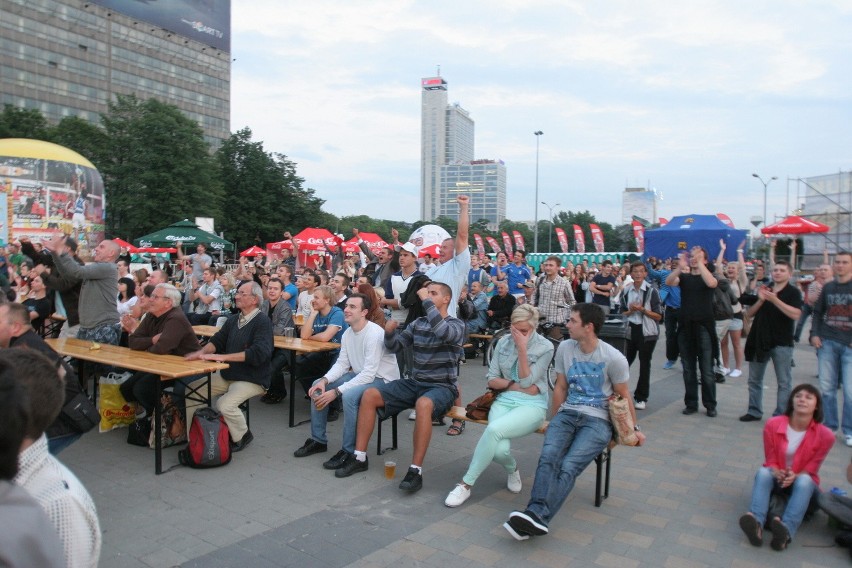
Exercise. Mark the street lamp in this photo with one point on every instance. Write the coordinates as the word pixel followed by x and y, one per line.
pixel 537 133
pixel 765 184
pixel 550 216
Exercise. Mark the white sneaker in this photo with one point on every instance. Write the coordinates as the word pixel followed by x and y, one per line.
pixel 457 496
pixel 514 483
pixel 849 441
pixel 736 373
pixel 639 405
pixel 413 415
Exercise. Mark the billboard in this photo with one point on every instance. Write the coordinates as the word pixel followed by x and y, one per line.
pixel 205 21
pixel 46 188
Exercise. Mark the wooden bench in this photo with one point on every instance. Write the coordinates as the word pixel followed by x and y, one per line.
pixel 459 413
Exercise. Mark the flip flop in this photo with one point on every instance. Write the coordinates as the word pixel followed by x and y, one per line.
pixel 752 529
pixel 780 535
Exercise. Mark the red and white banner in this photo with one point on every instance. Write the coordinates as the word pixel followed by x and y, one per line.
pixel 562 238
pixel 519 240
pixel 507 243
pixel 492 242
pixel 579 239
pixel 663 221
pixel 726 220
pixel 480 246
pixel 597 237
pixel 639 235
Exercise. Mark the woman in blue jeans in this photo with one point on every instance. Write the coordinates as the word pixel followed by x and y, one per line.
pixel 519 369
pixel 795 445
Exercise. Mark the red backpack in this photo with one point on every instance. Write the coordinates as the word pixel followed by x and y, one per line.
pixel 209 441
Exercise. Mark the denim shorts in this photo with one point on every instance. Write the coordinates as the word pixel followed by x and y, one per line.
pixel 736 323
pixel 403 394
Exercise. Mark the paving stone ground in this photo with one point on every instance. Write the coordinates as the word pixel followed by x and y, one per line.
pixel 673 503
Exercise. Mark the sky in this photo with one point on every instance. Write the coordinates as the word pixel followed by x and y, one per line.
pixel 686 98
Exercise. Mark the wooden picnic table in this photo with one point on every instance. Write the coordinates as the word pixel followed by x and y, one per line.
pixel 295 346
pixel 168 367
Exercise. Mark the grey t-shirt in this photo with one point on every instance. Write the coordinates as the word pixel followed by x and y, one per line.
pixel 590 376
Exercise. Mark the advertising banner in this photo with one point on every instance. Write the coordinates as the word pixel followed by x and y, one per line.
pixel 507 244
pixel 579 239
pixel 562 238
pixel 492 242
pixel 639 235
pixel 597 237
pixel 726 220
pixel 519 240
pixel 480 246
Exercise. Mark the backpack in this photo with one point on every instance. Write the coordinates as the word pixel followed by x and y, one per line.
pixel 722 307
pixel 209 441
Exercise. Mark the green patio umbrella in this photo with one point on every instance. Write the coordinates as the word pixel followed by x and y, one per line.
pixel 188 233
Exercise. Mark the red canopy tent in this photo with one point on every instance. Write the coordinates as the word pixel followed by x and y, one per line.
pixel 434 250
pixel 253 251
pixel 795 225
pixel 314 239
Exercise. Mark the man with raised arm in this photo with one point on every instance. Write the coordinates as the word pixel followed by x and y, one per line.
pixel 98 307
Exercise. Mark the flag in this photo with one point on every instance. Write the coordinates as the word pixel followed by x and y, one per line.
pixel 726 220
pixel 480 246
pixel 663 221
pixel 519 240
pixel 579 239
pixel 507 243
pixel 493 244
pixel 597 237
pixel 562 238
pixel 639 235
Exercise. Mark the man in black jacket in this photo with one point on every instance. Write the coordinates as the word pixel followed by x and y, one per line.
pixel 16 331
pixel 501 305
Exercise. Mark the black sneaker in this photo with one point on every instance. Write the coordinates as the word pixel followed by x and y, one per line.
pixel 337 461
pixel 527 523
pixel 244 441
pixel 413 481
pixel 351 466
pixel 310 448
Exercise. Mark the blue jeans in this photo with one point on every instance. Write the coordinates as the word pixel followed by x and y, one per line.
pixel 571 443
pixel 835 367
pixel 59 443
pixel 807 311
pixel 692 362
pixel 351 401
pixel 782 358
pixel 800 493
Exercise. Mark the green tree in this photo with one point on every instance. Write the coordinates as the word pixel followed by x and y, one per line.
pixel 85 138
pixel 158 168
pixel 23 123
pixel 265 196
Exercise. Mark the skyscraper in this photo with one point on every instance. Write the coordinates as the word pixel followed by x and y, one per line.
pixel 447 164
pixel 71 57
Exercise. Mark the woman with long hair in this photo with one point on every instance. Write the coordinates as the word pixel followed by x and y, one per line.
pixel 37 303
pixel 375 313
pixel 794 446
pixel 126 296
pixel 519 370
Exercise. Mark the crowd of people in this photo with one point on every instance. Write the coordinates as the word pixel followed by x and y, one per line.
pixel 401 324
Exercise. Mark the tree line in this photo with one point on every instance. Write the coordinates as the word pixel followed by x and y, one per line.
pixel 158 168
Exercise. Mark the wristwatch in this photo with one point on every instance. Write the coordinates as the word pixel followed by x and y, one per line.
pixel 636 428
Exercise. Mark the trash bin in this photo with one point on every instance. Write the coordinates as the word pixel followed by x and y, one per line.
pixel 616 331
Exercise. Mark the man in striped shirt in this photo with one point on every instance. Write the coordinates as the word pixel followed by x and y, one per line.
pixel 436 341
pixel 553 296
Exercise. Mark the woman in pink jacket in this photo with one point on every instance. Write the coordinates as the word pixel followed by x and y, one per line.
pixel 795 445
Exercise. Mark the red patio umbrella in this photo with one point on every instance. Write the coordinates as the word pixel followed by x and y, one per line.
pixel 124 244
pixel 253 251
pixel 314 239
pixel 434 250
pixel 152 250
pixel 373 240
pixel 279 246
pixel 795 225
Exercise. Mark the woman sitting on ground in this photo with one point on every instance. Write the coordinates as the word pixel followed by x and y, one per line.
pixel 519 369
pixel 795 445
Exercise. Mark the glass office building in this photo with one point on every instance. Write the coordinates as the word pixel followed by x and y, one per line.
pixel 484 181
pixel 71 57
pixel 826 199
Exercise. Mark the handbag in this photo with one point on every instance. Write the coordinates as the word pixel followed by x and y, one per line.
pixel 622 421
pixel 80 413
pixel 478 408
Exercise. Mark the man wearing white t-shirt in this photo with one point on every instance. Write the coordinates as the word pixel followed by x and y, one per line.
pixel 455 257
pixel 363 362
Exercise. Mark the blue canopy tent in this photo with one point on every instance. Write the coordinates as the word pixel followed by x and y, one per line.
pixel 686 231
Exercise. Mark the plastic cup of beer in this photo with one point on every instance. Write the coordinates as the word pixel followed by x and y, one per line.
pixel 390 469
pixel 299 319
